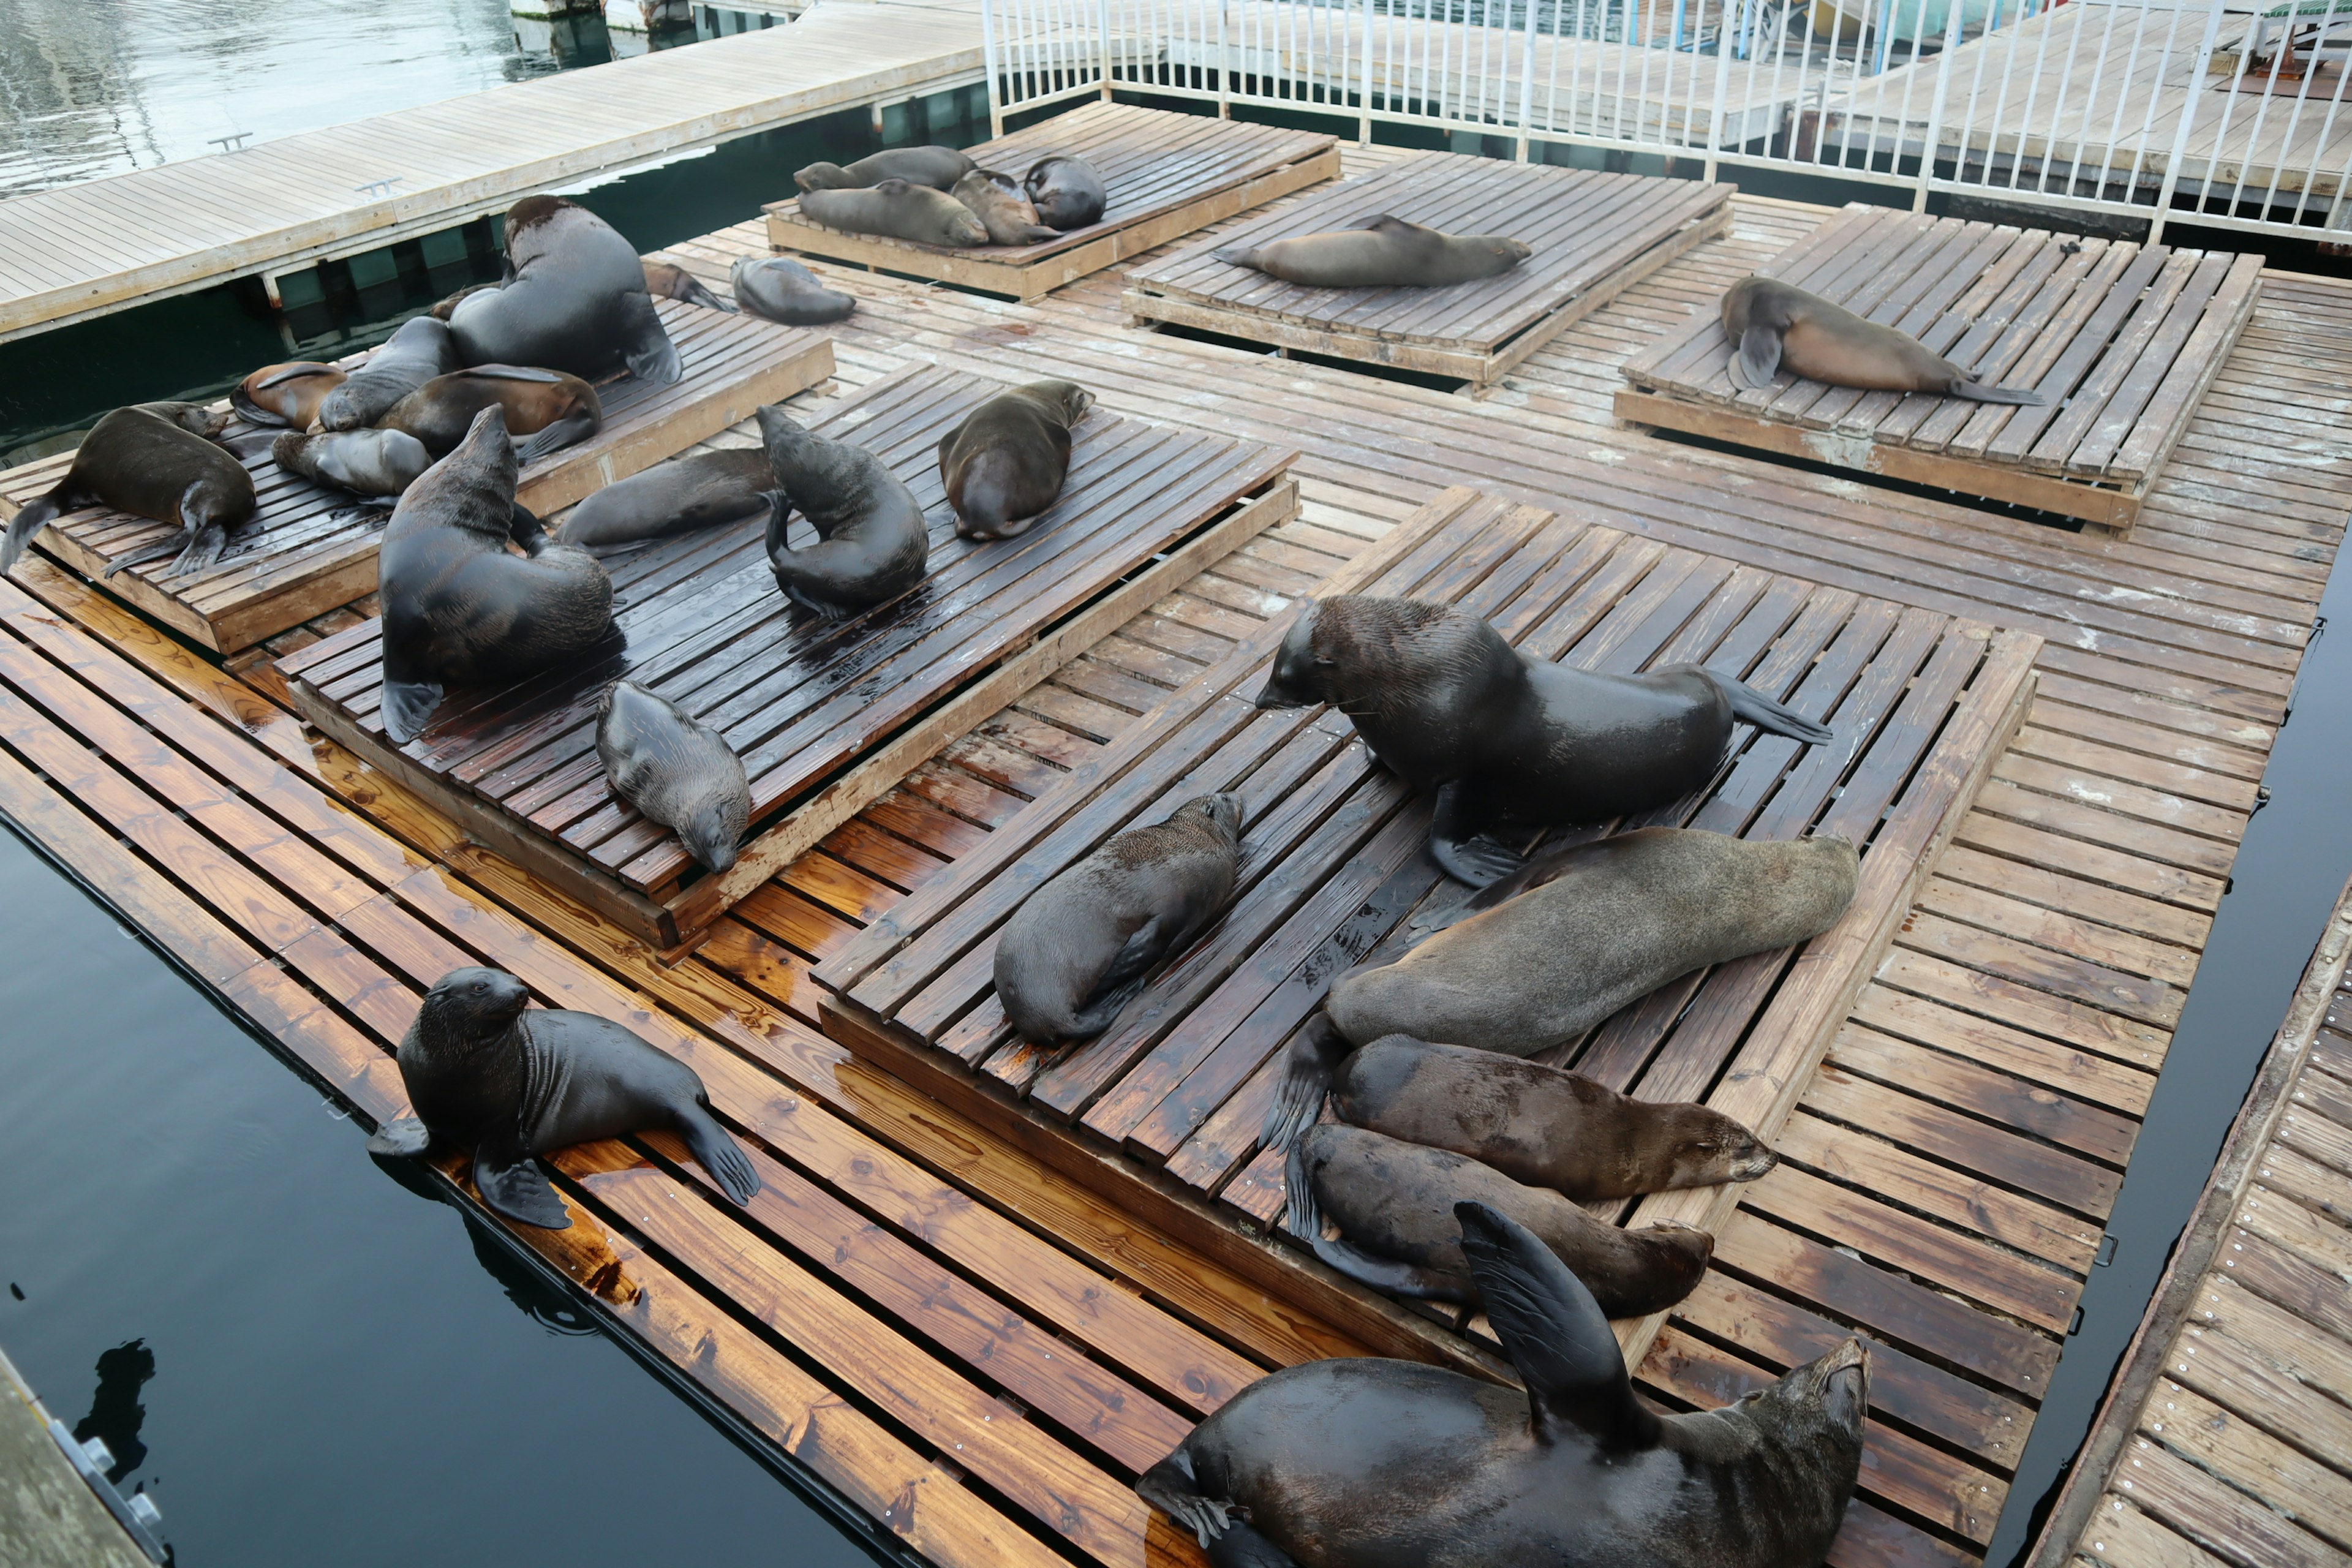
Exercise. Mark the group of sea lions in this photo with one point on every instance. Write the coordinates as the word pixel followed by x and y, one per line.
pixel 937 196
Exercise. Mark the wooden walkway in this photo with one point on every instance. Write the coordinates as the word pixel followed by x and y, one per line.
pixel 87 249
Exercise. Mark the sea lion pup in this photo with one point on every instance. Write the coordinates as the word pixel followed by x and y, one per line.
pixel 1386 253
pixel 779 288
pixel 897 210
pixel 487 1071
pixel 458 608
pixel 938 167
pixel 1393 1203
pixel 667 281
pixel 1011 218
pixel 1068 193
pixel 1589 928
pixel 152 461
pixel 872 543
pixel 364 462
pixel 1080 947
pixel 684 495
pixel 1004 465
pixel 1340 1463
pixel 421 350
pixel 675 770
pixel 552 409
pixel 575 300
pixel 1542 1125
pixel 1773 326
pixel 1449 705
pixel 286 395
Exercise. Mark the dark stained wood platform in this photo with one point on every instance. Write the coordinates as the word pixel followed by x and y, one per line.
pixel 826 715
pixel 1594 235
pixel 2124 340
pixel 313 549
pixel 1167 174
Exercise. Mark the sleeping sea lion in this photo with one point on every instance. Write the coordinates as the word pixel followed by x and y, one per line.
pixel 1385 253
pixel 1774 327
pixel 421 350
pixel 286 395
pixel 1080 947
pixel 1449 705
pixel 364 462
pixel 487 1071
pixel 1393 1203
pixel 1361 1460
pixel 575 300
pixel 1004 465
pixel 1581 932
pixel 1067 191
pixel 779 288
pixel 675 770
pixel 999 204
pixel 458 608
pixel 938 167
pixel 872 541
pixel 684 495
pixel 667 281
pixel 897 210
pixel 553 410
pixel 151 461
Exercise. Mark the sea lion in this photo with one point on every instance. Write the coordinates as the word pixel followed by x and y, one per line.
pixel 487 1071
pixel 1067 192
pixel 667 281
pixel 575 300
pixel 675 770
pixel 1449 705
pixel 999 204
pixel 364 462
pixel 553 410
pixel 458 608
pixel 1004 465
pixel 151 461
pixel 1385 253
pixel 1393 1203
pixel 684 495
pixel 1773 326
pixel 1582 933
pixel 897 210
pixel 938 167
pixel 1080 947
pixel 1542 1125
pixel 781 290
pixel 286 395
pixel 1361 1460
pixel 421 350
pixel 872 540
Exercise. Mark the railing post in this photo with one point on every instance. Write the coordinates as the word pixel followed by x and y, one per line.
pixel 2199 71
pixel 1935 108
pixel 1102 41
pixel 1225 68
pixel 1364 103
pixel 1722 80
pixel 1527 80
pixel 988 63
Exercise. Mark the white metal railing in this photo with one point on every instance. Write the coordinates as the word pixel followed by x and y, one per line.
pixel 2235 107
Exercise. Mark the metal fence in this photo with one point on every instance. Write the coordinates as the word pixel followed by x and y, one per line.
pixel 2083 104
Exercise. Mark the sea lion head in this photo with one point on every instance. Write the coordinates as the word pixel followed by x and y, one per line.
pixel 822 176
pixel 193 418
pixel 1813 1417
pixel 532 211
pixel 1067 398
pixel 473 487
pixel 1219 815
pixel 1517 250
pixel 1355 649
pixel 1706 1147
pixel 470 1008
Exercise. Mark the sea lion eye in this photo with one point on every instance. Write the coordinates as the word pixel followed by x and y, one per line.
pixel 482 988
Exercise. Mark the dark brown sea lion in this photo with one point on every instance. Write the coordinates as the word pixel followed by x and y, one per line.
pixel 938 167
pixel 575 300
pixel 421 350
pixel 1004 465
pixel 684 495
pixel 459 609
pixel 675 770
pixel 999 203
pixel 872 541
pixel 487 1071
pixel 1774 327
pixel 779 288
pixel 1579 934
pixel 1067 191
pixel 1080 947
pixel 287 394
pixel 364 462
pixel 1441 699
pixel 1367 1463
pixel 552 409
pixel 151 460
pixel 1386 253
pixel 897 210
pixel 667 281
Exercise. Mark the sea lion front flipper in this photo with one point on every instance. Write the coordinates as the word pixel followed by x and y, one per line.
pixel 569 430
pixel 1307 1071
pixel 408 707
pixel 654 359
pixel 1305 1220
pixel 1759 358
pixel 1459 849
pixel 1170 1487
pixel 1243 1547
pixel 512 1183
pixel 718 1152
pixel 401 1138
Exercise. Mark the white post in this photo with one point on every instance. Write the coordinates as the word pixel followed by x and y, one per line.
pixel 1226 68
pixel 988 63
pixel 1527 79
pixel 1722 77
pixel 2197 75
pixel 1364 102
pixel 1102 41
pixel 1935 108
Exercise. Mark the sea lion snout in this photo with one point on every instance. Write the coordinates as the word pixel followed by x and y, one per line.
pixel 1295 681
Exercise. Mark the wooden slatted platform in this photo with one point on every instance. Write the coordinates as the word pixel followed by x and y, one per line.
pixel 1594 234
pixel 825 715
pixel 2122 340
pixel 1167 174
pixel 313 549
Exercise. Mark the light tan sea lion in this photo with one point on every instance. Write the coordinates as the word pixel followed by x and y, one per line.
pixel 1774 327
pixel 898 210
pixel 287 394
pixel 998 202
pixel 1386 253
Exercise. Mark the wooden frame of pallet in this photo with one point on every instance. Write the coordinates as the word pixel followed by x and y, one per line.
pixel 1297 159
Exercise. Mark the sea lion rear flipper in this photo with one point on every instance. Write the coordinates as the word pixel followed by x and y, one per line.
pixel 1305 1220
pixel 1243 1547
pixel 31 518
pixel 402 1138
pixel 1759 358
pixel 569 430
pixel 1753 707
pixel 408 707
pixel 155 550
pixel 718 1153
pixel 1170 1487
pixel 1237 254
pixel 1307 1068
pixel 512 1183
pixel 2024 396
pixel 1459 850
pixel 204 547
pixel 1124 978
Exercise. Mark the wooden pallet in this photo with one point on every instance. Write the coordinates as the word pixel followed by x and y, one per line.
pixel 1594 235
pixel 1163 1112
pixel 826 716
pixel 1167 174
pixel 2122 339
pixel 313 549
